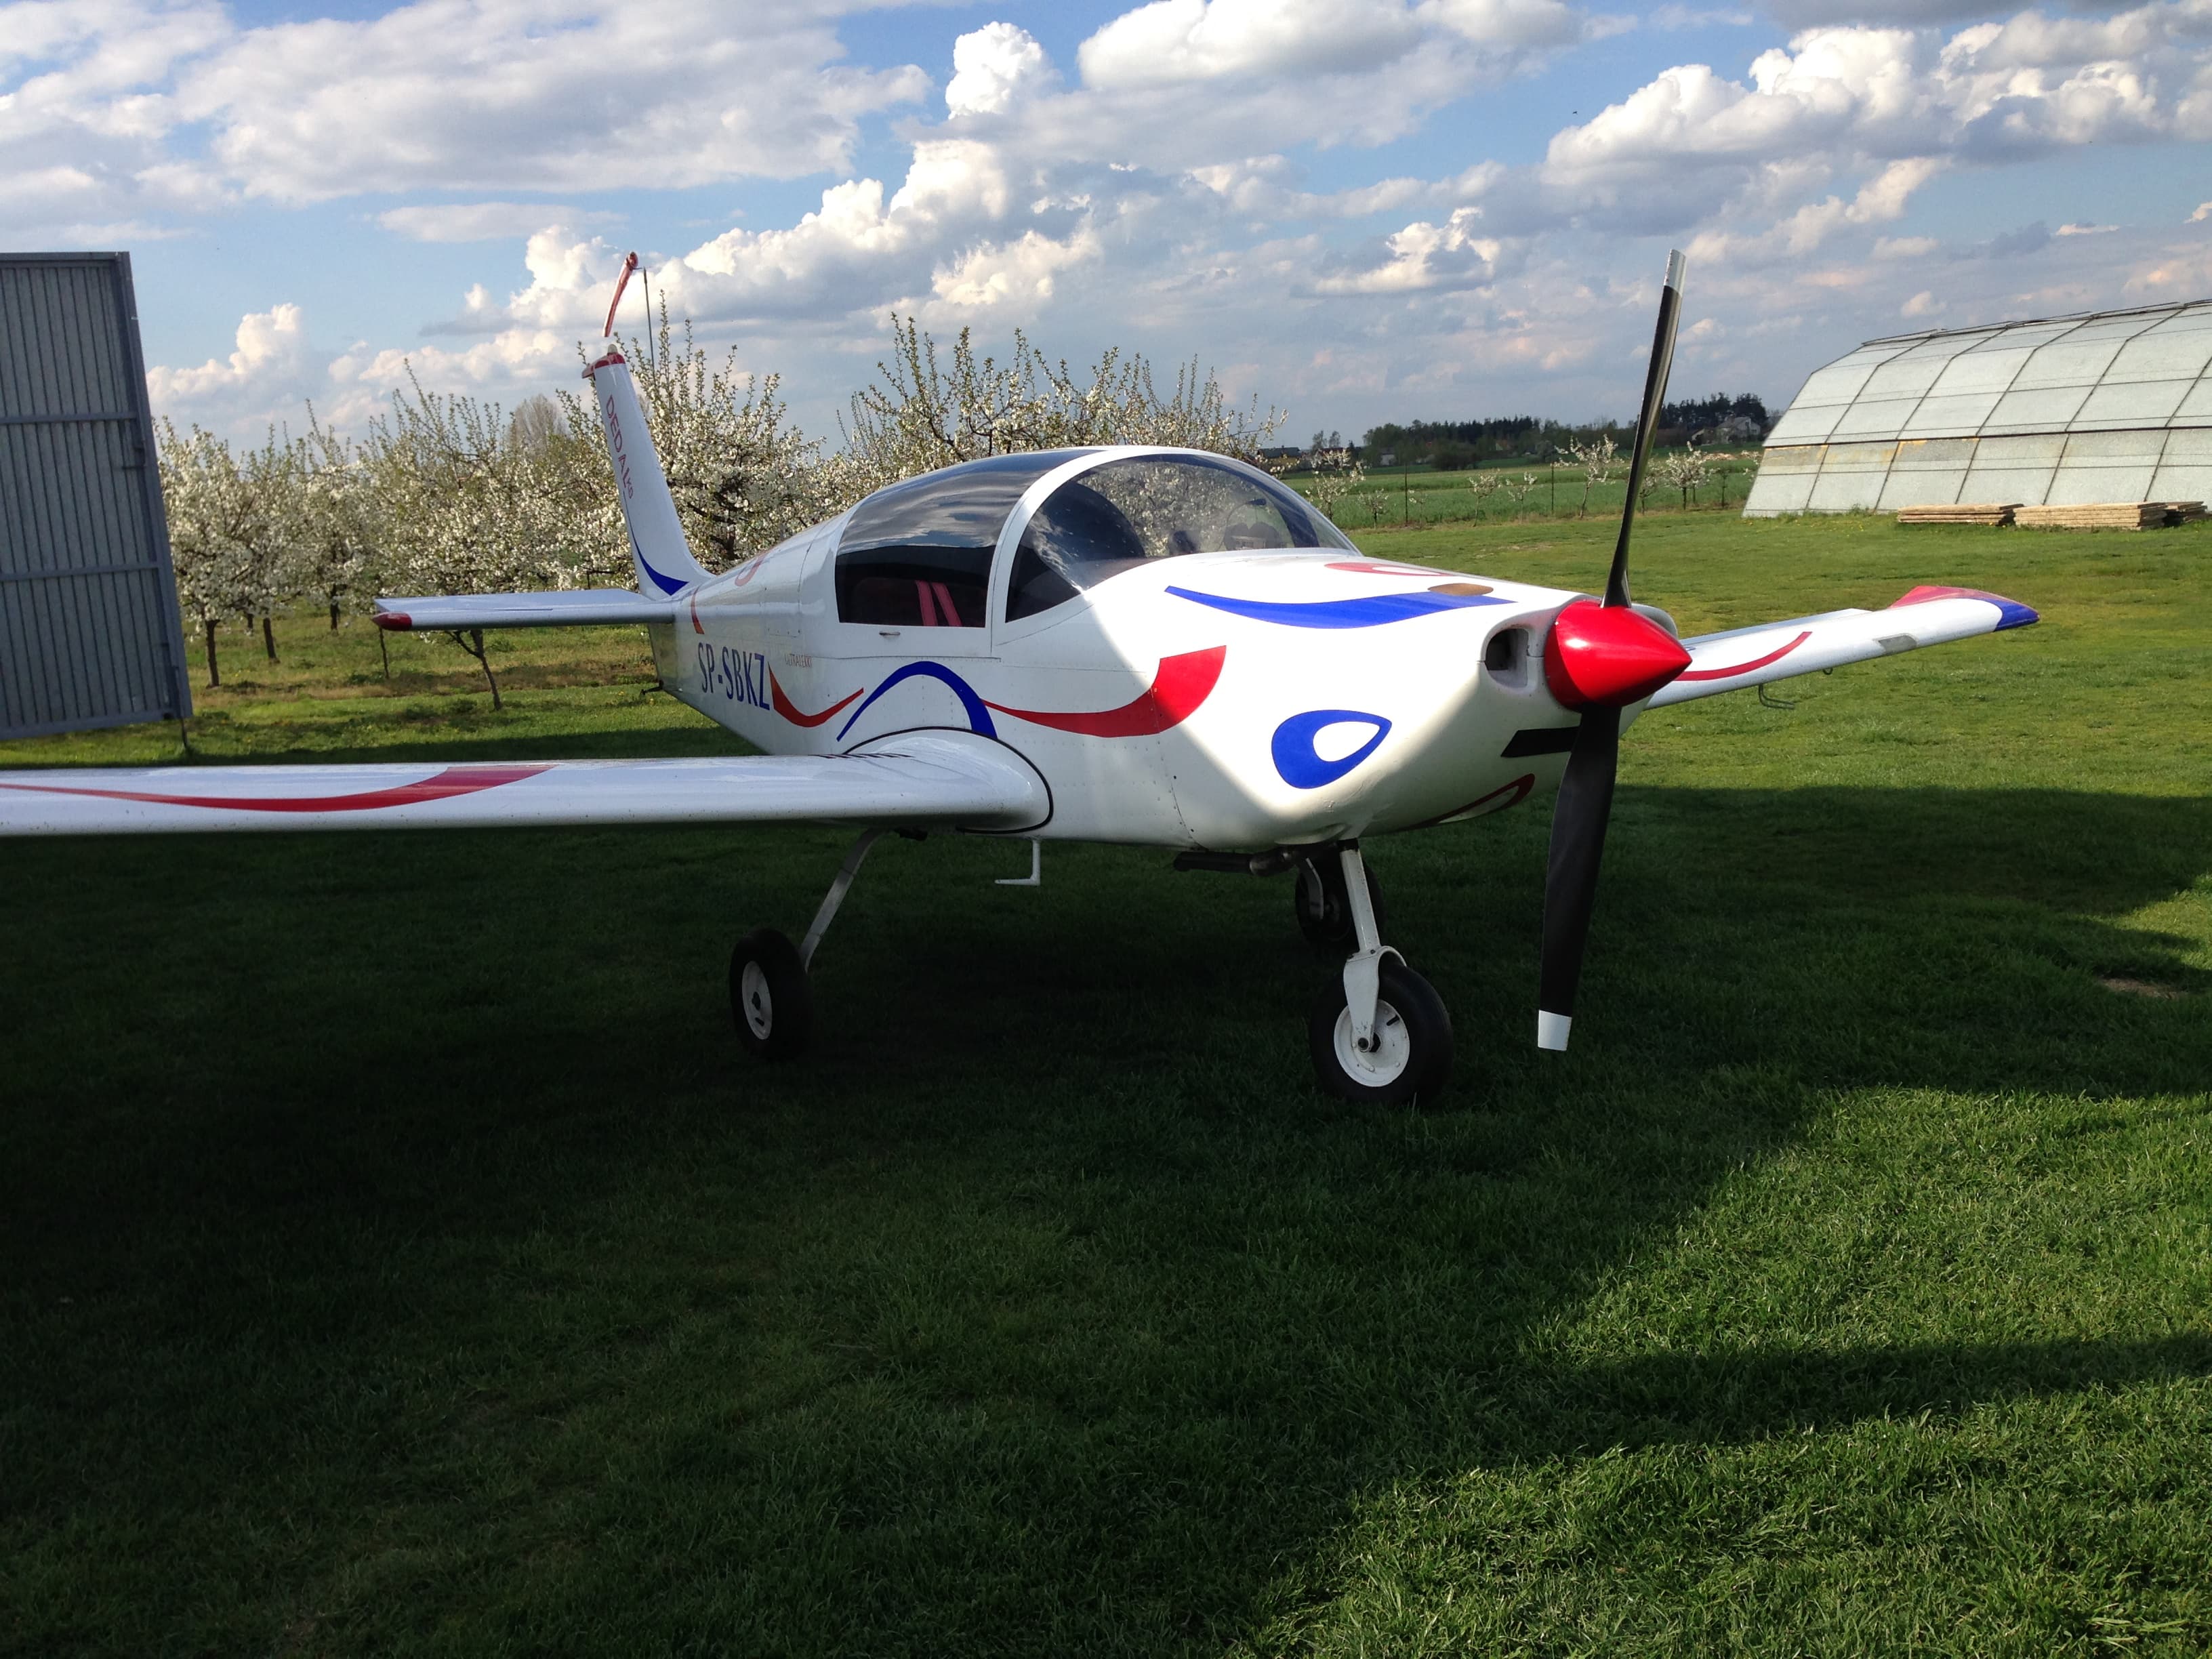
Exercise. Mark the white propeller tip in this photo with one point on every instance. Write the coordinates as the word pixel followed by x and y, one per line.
pixel 1552 1030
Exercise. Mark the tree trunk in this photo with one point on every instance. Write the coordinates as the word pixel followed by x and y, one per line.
pixel 474 647
pixel 334 615
pixel 215 673
pixel 269 639
pixel 384 650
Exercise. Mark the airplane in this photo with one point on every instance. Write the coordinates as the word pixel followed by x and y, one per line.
pixel 1129 644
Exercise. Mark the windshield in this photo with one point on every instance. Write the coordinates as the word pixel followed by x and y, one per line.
pixel 1154 506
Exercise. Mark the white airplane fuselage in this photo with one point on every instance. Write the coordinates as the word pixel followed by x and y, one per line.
pixel 1230 700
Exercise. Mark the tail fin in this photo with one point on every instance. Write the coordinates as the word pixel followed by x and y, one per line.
pixel 656 547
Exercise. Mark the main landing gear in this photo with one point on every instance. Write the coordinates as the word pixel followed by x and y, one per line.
pixel 1379 1032
pixel 770 1001
pixel 1382 1034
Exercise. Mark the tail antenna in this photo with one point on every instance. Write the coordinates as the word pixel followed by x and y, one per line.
pixel 630 264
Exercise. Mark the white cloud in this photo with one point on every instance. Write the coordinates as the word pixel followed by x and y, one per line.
pixel 481 221
pixel 2203 212
pixel 1180 40
pixel 1160 197
pixel 1673 17
pixel 267 380
pixel 1013 278
pixel 2085 230
pixel 1424 256
pixel 993 66
pixel 552 94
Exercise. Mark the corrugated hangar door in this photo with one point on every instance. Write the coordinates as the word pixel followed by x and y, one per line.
pixel 89 633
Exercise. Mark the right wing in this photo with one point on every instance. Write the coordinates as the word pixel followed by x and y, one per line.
pixel 575 607
pixel 916 780
pixel 1775 651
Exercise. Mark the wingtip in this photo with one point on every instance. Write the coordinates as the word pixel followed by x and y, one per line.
pixel 2014 614
pixel 398 620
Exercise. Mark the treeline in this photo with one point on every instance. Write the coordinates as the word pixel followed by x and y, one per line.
pixel 1456 445
pixel 454 495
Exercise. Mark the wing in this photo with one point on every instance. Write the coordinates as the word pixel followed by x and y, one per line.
pixel 579 607
pixel 1775 651
pixel 923 778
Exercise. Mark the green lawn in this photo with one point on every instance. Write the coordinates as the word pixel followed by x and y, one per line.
pixel 397 1253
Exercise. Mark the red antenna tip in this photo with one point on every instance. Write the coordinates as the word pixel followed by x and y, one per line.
pixel 630 264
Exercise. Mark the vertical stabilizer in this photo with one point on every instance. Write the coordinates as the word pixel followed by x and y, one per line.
pixel 656 547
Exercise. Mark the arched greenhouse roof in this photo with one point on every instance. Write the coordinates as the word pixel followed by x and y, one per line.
pixel 2112 405
pixel 2102 372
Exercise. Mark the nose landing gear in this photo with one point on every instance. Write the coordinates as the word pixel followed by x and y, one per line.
pixel 1382 1034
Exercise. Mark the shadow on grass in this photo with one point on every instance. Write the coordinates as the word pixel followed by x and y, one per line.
pixel 414 1185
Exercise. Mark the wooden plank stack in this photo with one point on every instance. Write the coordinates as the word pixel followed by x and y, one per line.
pixel 1962 512
pixel 2110 516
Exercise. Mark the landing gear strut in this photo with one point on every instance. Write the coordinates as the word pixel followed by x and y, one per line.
pixel 1382 1034
pixel 1322 903
pixel 770 1001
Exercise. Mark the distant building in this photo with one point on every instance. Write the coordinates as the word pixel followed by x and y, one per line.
pixel 2103 406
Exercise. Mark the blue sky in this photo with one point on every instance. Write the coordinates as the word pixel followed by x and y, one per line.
pixel 1356 210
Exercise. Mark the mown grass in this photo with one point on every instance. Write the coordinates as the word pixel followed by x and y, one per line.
pixel 1521 490
pixel 396 1254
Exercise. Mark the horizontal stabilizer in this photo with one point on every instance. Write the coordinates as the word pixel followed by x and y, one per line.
pixel 583 607
pixel 1744 657
pixel 917 779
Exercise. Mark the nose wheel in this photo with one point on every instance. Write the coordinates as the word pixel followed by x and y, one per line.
pixel 1381 1034
pixel 1408 1053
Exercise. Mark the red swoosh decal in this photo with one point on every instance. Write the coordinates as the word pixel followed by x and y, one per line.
pixel 1179 686
pixel 789 710
pixel 453 780
pixel 1518 790
pixel 1746 667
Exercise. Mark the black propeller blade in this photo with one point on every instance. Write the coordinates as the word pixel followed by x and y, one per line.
pixel 1599 660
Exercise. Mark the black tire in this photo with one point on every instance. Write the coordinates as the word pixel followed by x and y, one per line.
pixel 773 1006
pixel 1407 1012
pixel 1323 905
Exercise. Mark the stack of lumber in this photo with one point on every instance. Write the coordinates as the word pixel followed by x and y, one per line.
pixel 2109 515
pixel 1963 512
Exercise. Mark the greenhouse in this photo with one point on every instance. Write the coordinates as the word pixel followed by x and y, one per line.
pixel 2107 406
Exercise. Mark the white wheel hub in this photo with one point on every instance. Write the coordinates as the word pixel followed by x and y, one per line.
pixel 1387 1060
pixel 753 997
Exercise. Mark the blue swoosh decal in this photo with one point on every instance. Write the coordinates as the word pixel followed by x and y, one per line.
pixel 667 587
pixel 979 717
pixel 1370 612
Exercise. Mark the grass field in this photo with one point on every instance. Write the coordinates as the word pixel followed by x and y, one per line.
pixel 1520 490
pixel 397 1255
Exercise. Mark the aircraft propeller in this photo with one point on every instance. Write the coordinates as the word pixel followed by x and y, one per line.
pixel 1599 658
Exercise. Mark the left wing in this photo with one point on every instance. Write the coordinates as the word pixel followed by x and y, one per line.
pixel 1774 651
pixel 950 779
pixel 575 607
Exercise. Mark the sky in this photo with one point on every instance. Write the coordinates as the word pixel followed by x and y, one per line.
pixel 1355 210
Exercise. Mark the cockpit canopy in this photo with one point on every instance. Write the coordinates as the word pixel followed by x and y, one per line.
pixel 917 554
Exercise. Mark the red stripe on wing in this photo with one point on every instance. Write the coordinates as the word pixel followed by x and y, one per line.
pixel 453 780
pixel 1746 667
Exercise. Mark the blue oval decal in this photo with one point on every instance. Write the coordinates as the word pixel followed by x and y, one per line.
pixel 1293 746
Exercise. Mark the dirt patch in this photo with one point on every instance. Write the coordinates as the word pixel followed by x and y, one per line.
pixel 2140 987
